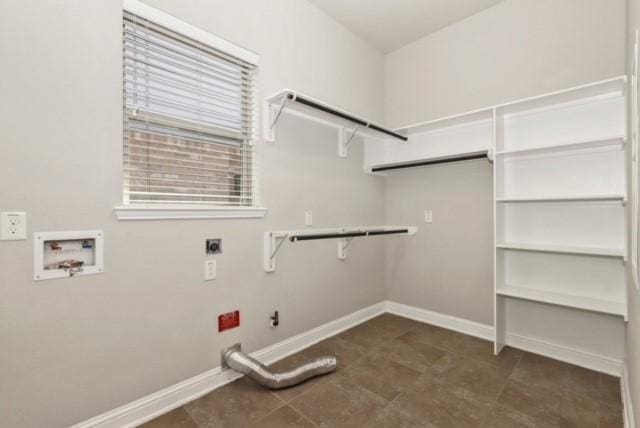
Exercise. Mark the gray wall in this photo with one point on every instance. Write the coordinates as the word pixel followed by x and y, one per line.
pixel 448 266
pixel 633 326
pixel 515 49
pixel 72 349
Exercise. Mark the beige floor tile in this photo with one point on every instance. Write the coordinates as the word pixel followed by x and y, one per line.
pixel 432 335
pixel 381 375
pixel 413 354
pixel 284 417
pixel 611 417
pixel 237 404
pixel 505 417
pixel 558 407
pixel 609 392
pixel 178 418
pixel 392 324
pixel 552 374
pixel 338 403
pixel 442 405
pixel 391 417
pixel 366 335
pixel 472 375
pixel 482 350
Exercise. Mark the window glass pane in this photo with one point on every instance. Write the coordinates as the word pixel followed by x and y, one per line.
pixel 188 120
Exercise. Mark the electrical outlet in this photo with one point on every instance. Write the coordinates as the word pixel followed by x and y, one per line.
pixel 428 216
pixel 210 270
pixel 13 226
pixel 308 218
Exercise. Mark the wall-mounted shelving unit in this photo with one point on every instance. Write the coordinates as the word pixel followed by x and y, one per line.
pixel 462 137
pixel 560 192
pixel 273 240
pixel 560 197
pixel 348 124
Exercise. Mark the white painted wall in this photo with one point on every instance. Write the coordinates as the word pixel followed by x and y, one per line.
pixel 447 267
pixel 71 349
pixel 516 49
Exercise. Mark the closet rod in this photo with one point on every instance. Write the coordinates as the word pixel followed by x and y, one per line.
pixel 295 238
pixel 480 155
pixel 356 120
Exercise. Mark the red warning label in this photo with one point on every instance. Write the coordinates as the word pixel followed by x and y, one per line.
pixel 228 321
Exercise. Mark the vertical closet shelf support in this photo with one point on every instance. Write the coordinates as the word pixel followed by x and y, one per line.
pixel 345 137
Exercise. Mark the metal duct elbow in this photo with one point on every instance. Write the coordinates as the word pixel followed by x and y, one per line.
pixel 243 363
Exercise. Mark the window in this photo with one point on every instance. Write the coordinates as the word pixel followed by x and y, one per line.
pixel 188 121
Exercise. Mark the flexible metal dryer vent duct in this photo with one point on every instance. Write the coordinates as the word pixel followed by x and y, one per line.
pixel 232 357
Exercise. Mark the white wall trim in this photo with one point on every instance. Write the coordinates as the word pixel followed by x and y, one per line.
pixel 449 322
pixel 171 212
pixel 627 402
pixel 599 363
pixel 158 403
pixel 172 23
pixel 577 357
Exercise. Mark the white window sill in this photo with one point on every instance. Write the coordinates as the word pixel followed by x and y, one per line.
pixel 171 212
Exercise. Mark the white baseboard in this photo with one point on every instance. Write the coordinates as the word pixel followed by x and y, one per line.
pixel 573 356
pixel 472 328
pixel 599 363
pixel 158 403
pixel 627 402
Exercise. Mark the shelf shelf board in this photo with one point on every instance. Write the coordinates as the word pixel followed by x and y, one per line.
pixel 613 197
pixel 618 140
pixel 567 300
pixel 614 87
pixel 565 249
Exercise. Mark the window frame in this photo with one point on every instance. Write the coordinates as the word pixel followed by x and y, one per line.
pixel 139 211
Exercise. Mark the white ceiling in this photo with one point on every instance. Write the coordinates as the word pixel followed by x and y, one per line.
pixel 391 24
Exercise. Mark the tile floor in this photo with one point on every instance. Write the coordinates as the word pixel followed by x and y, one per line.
pixel 396 372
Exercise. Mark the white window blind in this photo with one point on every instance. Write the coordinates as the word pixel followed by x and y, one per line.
pixel 188 120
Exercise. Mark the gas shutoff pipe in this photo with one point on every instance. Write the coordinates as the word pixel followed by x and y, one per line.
pixel 242 363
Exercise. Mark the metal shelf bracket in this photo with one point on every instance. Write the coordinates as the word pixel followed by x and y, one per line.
pixel 272 243
pixel 272 114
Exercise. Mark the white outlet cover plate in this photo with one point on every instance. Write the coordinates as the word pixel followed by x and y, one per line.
pixel 308 218
pixel 428 216
pixel 210 268
pixel 13 226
